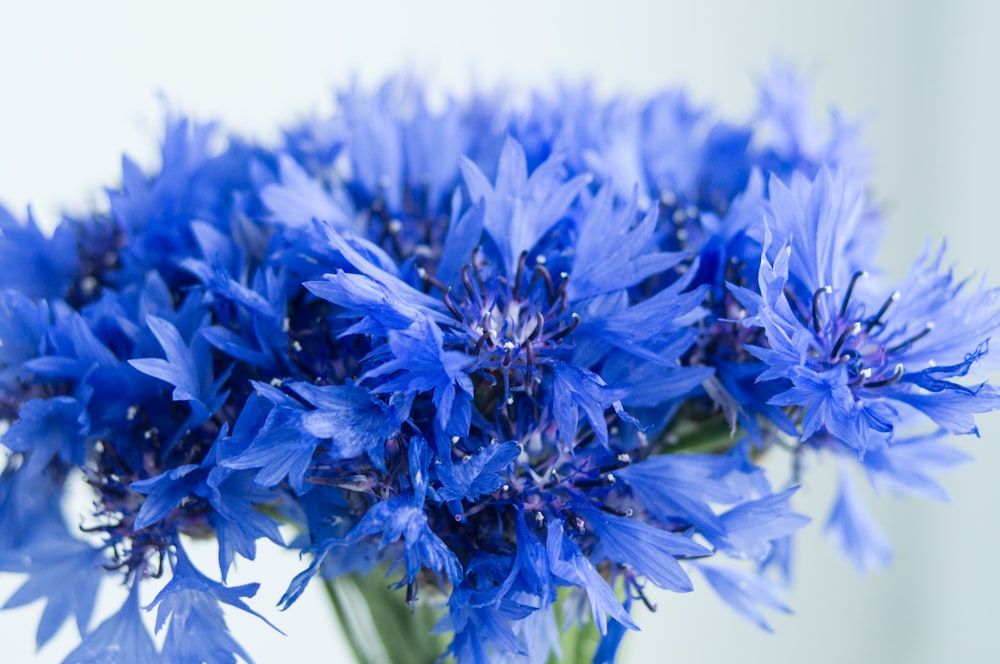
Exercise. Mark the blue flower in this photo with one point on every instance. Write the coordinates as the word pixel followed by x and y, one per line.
pixel 524 363
pixel 849 361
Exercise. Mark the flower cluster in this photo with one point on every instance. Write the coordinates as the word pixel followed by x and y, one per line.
pixel 521 361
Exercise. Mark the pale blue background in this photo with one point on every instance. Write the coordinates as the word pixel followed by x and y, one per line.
pixel 79 84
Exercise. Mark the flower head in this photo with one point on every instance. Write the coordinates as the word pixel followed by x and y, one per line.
pixel 523 364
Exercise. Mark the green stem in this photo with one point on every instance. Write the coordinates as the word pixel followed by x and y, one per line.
pixel 379 627
pixel 578 644
pixel 711 437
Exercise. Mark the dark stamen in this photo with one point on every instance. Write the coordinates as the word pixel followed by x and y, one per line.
pixel 520 273
pixel 434 281
pixel 467 281
pixel 411 594
pixel 627 512
pixel 825 290
pixel 451 304
pixel 603 480
pixel 850 290
pixel 508 354
pixel 877 320
pixel 796 303
pixel 561 290
pixel 620 462
pixel 920 335
pixel 540 271
pixel 848 355
pixel 645 600
pixel 896 375
pixel 485 336
pixel 538 328
pixel 849 332
pixel 566 330
pixel 478 268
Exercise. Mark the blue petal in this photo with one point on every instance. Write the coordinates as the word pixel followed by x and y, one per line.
pixel 859 536
pixel 299 199
pixel 752 526
pixel 65 572
pixel 50 427
pixel 478 475
pixel 746 593
pixel 613 252
pixel 121 639
pixel 649 550
pixel 518 210
pixel 569 564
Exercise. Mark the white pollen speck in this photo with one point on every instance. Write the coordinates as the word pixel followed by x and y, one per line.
pixel 286 324
pixel 455 439
pixel 131 413
pixel 89 284
pixel 395 225
pixel 508 345
pixel 275 382
pixel 296 346
pixel 540 260
pixel 679 216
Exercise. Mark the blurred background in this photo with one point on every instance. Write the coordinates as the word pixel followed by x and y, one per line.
pixel 80 83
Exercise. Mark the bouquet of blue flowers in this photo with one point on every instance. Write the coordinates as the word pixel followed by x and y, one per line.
pixel 493 370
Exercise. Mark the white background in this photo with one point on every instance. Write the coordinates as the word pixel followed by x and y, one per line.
pixel 79 84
